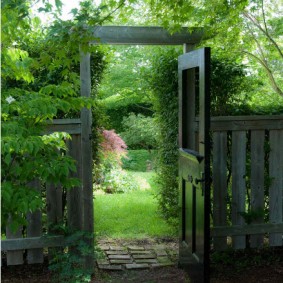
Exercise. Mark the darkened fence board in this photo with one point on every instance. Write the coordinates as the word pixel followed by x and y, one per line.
pixel 257 182
pixel 276 187
pixel 245 123
pixel 252 229
pixel 238 184
pixel 54 205
pixel 220 186
pixel 34 229
pixel 71 126
pixel 14 245
pixel 14 257
pixel 74 195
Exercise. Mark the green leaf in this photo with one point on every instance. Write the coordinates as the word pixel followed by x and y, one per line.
pixel 8 159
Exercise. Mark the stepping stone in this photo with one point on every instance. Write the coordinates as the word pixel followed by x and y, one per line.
pixel 104 248
pixel 119 256
pixel 110 267
pixel 137 266
pixel 146 260
pixel 140 252
pixel 102 261
pixel 120 261
pixel 116 252
pixel 116 248
pixel 144 256
pixel 135 248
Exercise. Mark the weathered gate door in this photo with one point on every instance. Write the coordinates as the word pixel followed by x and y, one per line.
pixel 194 168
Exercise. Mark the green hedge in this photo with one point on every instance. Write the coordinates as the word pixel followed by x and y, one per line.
pixel 137 160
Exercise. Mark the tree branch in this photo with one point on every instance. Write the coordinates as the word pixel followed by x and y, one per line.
pixel 122 3
pixel 274 85
pixel 265 32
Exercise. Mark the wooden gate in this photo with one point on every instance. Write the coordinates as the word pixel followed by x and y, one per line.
pixel 194 164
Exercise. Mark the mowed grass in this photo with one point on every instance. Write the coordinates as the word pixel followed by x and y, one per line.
pixel 131 215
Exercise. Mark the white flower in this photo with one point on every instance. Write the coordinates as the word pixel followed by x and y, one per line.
pixel 10 99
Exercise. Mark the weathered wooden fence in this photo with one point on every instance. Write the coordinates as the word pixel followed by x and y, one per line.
pixel 247 176
pixel 36 240
pixel 247 172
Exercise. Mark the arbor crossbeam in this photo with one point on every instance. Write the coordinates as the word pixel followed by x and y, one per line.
pixel 145 35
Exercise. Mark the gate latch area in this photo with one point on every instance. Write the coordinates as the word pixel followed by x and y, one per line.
pixel 196 181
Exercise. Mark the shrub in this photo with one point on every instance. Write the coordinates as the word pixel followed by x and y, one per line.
pixel 108 173
pixel 139 131
pixel 163 80
pixel 140 160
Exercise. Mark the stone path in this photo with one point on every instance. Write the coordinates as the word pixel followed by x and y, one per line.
pixel 126 257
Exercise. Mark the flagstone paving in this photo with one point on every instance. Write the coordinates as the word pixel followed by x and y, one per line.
pixel 143 256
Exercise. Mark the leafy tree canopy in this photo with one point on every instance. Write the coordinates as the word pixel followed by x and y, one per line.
pixel 40 81
pixel 248 31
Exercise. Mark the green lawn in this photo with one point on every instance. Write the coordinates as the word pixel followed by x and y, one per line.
pixel 131 215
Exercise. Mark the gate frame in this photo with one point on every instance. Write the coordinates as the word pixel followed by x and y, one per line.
pixel 117 35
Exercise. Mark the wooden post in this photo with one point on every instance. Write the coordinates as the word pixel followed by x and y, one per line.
pixel 86 149
pixel 34 229
pixel 188 47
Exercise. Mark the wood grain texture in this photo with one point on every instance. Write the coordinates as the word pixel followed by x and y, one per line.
pixel 276 187
pixel 19 244
pixel 86 151
pixel 257 182
pixel 74 195
pixel 14 257
pixel 219 186
pixel 238 184
pixel 144 35
pixel 34 229
pixel 244 230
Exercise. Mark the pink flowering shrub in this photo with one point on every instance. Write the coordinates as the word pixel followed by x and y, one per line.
pixel 108 174
pixel 113 146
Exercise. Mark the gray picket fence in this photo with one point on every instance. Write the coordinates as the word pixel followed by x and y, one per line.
pixel 246 151
pixel 35 241
pixel 247 172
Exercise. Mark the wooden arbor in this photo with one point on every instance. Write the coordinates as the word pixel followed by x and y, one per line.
pixel 117 35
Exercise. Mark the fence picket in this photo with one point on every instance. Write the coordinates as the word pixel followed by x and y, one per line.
pixel 238 184
pixel 34 229
pixel 54 204
pixel 74 196
pixel 14 257
pixel 220 186
pixel 276 187
pixel 54 212
pixel 257 182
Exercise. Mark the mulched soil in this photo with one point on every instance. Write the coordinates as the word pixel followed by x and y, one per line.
pixel 264 266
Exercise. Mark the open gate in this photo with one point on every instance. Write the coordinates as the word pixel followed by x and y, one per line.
pixel 194 163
